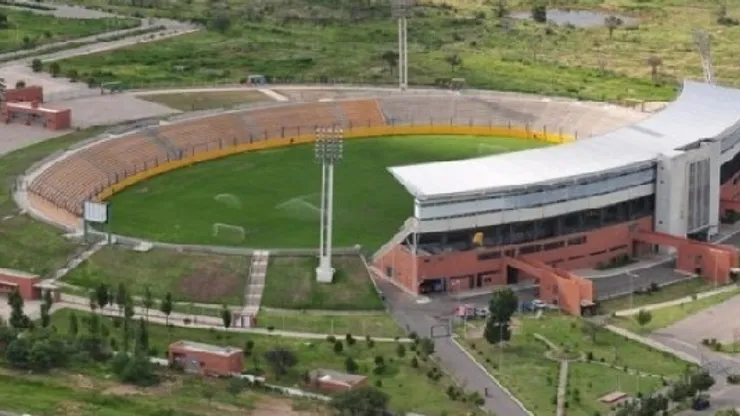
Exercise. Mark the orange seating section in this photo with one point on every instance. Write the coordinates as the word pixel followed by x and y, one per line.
pixel 80 176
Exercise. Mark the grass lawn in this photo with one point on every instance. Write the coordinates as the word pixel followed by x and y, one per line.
pixel 409 388
pixel 193 101
pixel 190 277
pixel 533 378
pixel 26 244
pixel 665 294
pixel 271 198
pixel 27 30
pixel 90 392
pixel 375 325
pixel 668 316
pixel 291 284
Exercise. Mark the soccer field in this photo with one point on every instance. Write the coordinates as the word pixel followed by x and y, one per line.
pixel 270 198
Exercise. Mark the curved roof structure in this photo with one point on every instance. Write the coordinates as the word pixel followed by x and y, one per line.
pixel 701 111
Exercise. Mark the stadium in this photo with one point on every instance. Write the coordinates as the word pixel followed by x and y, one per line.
pixel 614 184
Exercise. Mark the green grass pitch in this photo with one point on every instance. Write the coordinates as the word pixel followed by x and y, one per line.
pixel 270 198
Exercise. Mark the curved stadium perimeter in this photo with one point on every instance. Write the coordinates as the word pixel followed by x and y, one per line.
pixel 619 184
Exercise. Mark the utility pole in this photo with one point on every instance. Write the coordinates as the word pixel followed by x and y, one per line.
pixel 328 151
pixel 400 10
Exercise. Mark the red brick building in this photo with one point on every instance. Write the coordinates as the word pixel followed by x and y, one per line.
pixel 206 359
pixel 30 286
pixel 24 105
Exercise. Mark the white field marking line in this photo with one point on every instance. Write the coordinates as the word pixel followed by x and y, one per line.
pixel 299 200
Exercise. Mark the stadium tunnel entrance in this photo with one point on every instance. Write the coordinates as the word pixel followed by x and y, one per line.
pixel 713 262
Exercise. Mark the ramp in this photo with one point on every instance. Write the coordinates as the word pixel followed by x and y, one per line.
pixel 255 284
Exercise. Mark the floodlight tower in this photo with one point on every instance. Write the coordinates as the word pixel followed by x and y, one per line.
pixel 701 38
pixel 328 149
pixel 400 9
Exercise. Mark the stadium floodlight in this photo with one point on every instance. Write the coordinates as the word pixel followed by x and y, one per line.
pixel 400 10
pixel 328 151
pixel 701 38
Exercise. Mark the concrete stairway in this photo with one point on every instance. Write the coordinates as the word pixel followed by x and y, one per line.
pixel 255 283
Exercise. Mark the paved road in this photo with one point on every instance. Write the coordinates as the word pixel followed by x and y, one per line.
pixel 421 319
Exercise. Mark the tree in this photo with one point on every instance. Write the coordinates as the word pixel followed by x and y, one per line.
pixel 4 21
pixel 128 312
pixel 17 352
pixel 338 346
pixel 501 10
pixel 590 329
pixel 74 326
pixel 539 11
pixel 18 318
pixel 120 297
pixel 45 317
pixel 221 22
pixel 644 317
pixel 454 60
pixel 612 23
pixel 350 365
pixel 20 84
pixel 400 350
pixel 235 386
pixel 148 302
pixel 166 307
pixel 281 360
pixel 364 401
pixel 54 69
pixel 102 296
pixel 426 346
pixel 502 306
pixel 92 301
pixel 142 337
pixel 654 62
pixel 48 299
pixel 390 58
pixel 226 316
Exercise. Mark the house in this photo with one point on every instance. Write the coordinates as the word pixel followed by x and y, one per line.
pixel 30 286
pixel 334 381
pixel 206 359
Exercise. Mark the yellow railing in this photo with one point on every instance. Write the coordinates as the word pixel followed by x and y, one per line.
pixel 359 132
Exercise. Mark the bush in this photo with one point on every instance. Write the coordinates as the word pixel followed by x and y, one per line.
pixel 350 340
pixel 331 339
pixel 733 379
pixel 338 347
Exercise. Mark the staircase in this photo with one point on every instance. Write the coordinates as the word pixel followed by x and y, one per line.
pixel 172 151
pixel 255 283
pixel 409 226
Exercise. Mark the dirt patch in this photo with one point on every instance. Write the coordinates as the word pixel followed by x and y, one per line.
pixel 81 382
pixel 122 390
pixel 210 282
pixel 70 408
pixel 274 406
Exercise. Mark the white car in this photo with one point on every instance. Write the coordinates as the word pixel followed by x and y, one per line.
pixel 538 304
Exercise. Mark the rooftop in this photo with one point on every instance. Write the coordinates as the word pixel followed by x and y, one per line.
pixel 22 105
pixel 17 273
pixel 701 111
pixel 201 347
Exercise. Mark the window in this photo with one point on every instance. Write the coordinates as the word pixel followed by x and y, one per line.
pixel 489 256
pixel 510 253
pixel 596 253
pixel 577 241
pixel 534 248
pixel 622 247
pixel 575 257
pixel 553 246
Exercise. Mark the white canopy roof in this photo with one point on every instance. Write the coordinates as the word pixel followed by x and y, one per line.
pixel 701 111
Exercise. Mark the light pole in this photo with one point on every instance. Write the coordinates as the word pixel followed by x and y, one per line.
pixel 632 288
pixel 400 10
pixel 328 150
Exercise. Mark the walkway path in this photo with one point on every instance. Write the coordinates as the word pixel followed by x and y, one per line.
pixel 179 319
pixel 656 306
pixel 562 387
pixel 420 319
pixel 256 283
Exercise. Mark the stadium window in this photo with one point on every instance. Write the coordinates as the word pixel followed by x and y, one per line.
pixel 577 241
pixel 575 258
pixel 534 248
pixel 510 253
pixel 553 246
pixel 597 253
pixel 489 256
pixel 618 247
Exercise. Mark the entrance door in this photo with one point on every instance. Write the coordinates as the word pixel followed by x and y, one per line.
pixel 512 275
